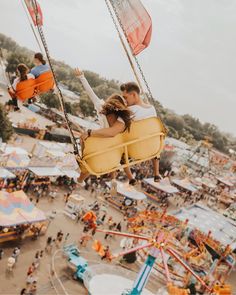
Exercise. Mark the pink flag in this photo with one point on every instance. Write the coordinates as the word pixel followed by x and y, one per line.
pixel 136 23
pixel 33 10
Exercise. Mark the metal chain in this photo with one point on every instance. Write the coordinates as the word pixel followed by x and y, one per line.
pixel 135 57
pixel 60 95
pixel 124 46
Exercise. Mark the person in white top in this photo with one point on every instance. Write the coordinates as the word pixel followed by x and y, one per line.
pixel 114 116
pixel 131 93
pixel 135 104
pixel 23 74
pixel 107 122
pixel 98 103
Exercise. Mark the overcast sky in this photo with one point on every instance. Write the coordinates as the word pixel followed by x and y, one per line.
pixel 190 64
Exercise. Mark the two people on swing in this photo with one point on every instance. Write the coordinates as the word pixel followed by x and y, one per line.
pixel 115 116
pixel 24 73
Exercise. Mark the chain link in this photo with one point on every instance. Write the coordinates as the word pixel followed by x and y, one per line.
pixel 60 95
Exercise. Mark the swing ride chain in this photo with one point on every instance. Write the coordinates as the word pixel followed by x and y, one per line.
pixel 60 95
pixel 135 57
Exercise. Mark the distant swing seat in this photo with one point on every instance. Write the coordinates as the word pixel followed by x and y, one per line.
pixel 145 141
pixel 31 87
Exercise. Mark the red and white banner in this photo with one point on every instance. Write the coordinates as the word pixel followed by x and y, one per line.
pixel 33 10
pixel 136 23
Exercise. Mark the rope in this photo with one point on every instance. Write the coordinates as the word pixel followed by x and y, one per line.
pixel 59 94
pixel 32 28
pixel 150 96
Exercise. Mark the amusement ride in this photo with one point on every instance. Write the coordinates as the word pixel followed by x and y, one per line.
pixel 163 243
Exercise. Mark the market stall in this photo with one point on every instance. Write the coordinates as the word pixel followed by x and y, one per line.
pixel 158 191
pixel 122 195
pixel 5 175
pixel 19 218
pixel 185 185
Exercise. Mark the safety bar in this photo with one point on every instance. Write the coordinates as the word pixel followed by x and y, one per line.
pixel 124 145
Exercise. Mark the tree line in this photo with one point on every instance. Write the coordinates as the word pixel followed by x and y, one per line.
pixel 186 127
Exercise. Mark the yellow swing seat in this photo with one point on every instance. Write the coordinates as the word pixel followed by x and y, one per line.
pixel 104 155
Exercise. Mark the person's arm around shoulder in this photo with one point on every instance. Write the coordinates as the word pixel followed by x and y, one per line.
pixel 117 128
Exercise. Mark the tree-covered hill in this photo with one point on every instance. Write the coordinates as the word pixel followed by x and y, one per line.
pixel 186 127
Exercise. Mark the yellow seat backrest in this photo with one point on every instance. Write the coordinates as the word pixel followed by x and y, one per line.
pixel 144 141
pixel 148 146
pixel 106 161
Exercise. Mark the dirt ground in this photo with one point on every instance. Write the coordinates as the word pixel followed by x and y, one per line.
pixel 11 285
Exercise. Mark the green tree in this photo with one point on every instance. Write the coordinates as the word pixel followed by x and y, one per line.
pixel 50 100
pixel 16 58
pixel 175 121
pixel 6 129
pixel 86 106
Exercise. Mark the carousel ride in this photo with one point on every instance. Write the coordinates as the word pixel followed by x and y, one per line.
pixel 177 256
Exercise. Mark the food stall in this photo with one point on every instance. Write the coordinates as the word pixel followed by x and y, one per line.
pixel 19 218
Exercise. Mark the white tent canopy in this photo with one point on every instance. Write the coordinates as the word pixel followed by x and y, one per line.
pixel 5 174
pixel 128 191
pixel 205 219
pixel 163 185
pixel 70 173
pixel 46 171
pixel 185 184
pixel 224 181
pixel 14 150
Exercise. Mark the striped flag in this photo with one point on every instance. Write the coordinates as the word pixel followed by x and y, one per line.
pixel 35 9
pixel 136 23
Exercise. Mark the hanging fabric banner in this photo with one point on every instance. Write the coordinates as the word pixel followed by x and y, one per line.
pixel 33 10
pixel 135 21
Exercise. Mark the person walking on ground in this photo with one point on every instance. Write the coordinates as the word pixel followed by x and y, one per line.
pixel 10 264
pixel 48 247
pixel 59 238
pixel 36 260
pixel 1 254
pixel 107 254
pixel 16 253
pixel 31 269
pixel 24 292
pixel 33 288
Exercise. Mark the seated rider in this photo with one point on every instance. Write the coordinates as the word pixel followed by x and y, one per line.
pixel 40 65
pixel 104 120
pixel 141 111
pixel 23 74
pixel 120 118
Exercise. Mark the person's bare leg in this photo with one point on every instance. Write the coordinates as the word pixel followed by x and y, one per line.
pixel 155 163
pixel 83 176
pixel 129 174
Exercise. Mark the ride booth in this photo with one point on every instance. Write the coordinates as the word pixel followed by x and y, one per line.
pixel 19 218
pixel 125 197
pixel 159 191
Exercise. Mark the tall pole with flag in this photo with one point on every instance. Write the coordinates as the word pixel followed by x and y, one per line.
pixel 136 25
